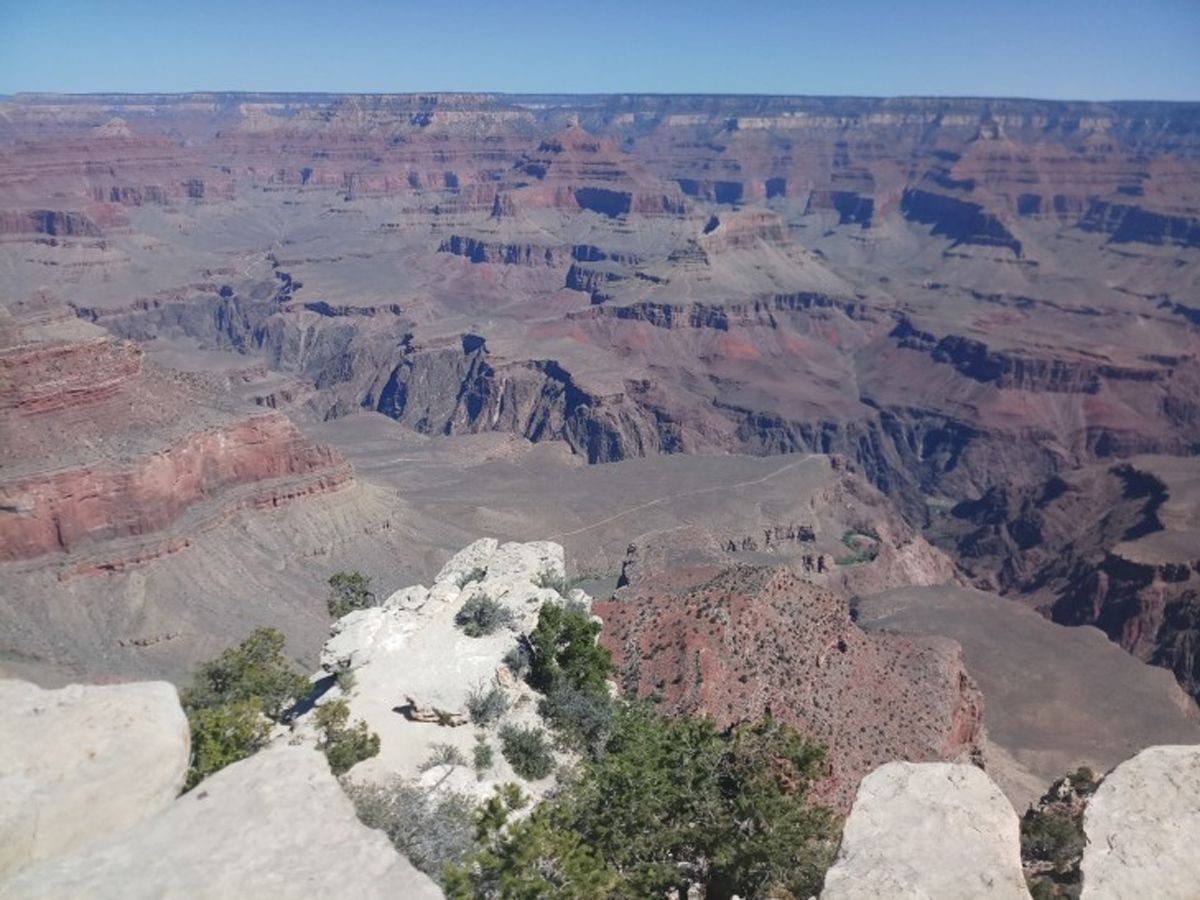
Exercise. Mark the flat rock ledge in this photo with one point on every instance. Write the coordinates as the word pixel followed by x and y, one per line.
pixel 1143 828
pixel 274 825
pixel 935 831
pixel 84 761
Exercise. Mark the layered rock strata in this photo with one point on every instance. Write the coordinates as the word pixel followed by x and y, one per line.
pixel 103 450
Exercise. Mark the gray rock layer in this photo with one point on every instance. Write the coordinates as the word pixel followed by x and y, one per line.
pixel 275 825
pixel 935 831
pixel 84 761
pixel 1143 828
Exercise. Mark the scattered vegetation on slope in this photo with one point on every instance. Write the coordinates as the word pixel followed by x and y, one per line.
pixel 863 547
pixel 1052 838
pixel 432 829
pixel 667 804
pixel 657 805
pixel 234 700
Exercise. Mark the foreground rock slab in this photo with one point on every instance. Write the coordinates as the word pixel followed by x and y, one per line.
pixel 275 825
pixel 1143 828
pixel 84 761
pixel 931 831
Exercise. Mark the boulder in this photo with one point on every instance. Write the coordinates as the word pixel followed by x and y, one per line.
pixel 358 636
pixel 928 830
pixel 412 598
pixel 1143 828
pixel 84 761
pixel 468 564
pixel 274 825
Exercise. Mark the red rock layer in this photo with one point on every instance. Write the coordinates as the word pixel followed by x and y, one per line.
pixel 758 641
pixel 42 378
pixel 66 510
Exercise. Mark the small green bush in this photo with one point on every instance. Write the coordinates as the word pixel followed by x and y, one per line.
pixel 344 745
pixel 443 755
pixel 527 751
pixel 1052 837
pixel 346 680
pixel 518 661
pixel 557 583
pixel 255 669
pixel 565 650
pixel 234 698
pixel 482 615
pixel 486 706
pixel 224 734
pixel 582 719
pixel 482 756
pixel 349 591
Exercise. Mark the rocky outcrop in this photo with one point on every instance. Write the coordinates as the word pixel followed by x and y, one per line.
pixel 1124 224
pixel 852 208
pixel 1141 827
pixel 753 641
pixel 416 670
pixel 959 220
pixel 977 361
pixel 928 832
pixel 479 250
pixel 458 389
pixel 50 222
pixel 104 448
pixel 277 824
pixel 83 762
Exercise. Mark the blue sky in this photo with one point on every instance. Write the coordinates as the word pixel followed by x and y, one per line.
pixel 1050 48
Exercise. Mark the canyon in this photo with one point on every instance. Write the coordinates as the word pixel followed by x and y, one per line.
pixel 935 358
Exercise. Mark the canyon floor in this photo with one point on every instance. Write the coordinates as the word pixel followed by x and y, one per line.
pixel 937 358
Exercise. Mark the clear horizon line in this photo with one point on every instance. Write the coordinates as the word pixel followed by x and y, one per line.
pixel 18 94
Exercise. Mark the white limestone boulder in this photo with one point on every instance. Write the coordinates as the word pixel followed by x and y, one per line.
pixel 84 761
pixel 274 825
pixel 1143 828
pixel 409 598
pixel 365 634
pixel 935 831
pixel 468 564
